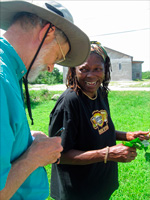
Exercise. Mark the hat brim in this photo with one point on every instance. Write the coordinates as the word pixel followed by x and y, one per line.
pixel 79 41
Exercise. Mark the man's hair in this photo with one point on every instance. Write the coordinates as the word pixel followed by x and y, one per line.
pixel 28 21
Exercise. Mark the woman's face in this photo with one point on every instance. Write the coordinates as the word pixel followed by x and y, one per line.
pixel 90 74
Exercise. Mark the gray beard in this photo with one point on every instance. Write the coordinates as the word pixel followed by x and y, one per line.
pixel 33 74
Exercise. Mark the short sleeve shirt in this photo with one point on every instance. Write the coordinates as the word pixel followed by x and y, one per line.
pixel 88 126
pixel 15 136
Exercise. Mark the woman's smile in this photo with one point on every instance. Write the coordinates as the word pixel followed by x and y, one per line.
pixel 91 83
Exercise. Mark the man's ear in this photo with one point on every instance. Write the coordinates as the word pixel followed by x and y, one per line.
pixel 50 35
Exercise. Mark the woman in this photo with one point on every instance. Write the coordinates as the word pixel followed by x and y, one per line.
pixel 88 165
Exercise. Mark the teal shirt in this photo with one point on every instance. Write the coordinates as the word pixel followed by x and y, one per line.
pixel 15 136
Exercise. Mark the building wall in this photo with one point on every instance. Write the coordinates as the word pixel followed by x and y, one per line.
pixel 136 71
pixel 121 65
pixel 121 69
pixel 65 70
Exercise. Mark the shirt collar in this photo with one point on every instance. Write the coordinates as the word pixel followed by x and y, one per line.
pixel 16 60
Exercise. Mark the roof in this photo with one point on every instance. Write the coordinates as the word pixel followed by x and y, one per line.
pixel 138 61
pixel 112 50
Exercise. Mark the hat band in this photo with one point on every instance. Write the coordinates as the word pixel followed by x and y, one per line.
pixel 54 9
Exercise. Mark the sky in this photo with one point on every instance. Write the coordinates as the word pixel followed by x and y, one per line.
pixel 120 25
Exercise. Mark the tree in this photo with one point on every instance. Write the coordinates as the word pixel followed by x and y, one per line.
pixel 52 78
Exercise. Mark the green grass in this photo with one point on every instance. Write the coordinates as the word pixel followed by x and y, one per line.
pixel 130 111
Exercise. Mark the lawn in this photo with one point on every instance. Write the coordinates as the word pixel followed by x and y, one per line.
pixel 130 111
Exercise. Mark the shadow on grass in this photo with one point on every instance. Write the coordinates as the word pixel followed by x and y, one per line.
pixel 147 156
pixel 38 97
pixel 33 104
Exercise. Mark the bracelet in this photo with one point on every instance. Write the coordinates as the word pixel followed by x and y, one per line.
pixel 106 155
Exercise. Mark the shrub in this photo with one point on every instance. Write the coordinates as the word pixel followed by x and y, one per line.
pixel 52 78
pixel 146 75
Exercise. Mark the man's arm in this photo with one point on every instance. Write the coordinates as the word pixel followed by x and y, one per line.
pixel 43 151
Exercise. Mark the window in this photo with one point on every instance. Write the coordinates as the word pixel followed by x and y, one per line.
pixel 120 66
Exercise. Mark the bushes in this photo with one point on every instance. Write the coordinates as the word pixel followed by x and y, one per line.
pixel 52 78
pixel 40 96
pixel 146 75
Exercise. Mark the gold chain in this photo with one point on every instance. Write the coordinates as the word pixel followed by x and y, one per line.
pixel 90 97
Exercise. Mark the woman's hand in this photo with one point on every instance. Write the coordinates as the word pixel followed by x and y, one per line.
pixel 140 134
pixel 121 153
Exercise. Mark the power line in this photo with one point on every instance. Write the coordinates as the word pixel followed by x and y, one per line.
pixel 120 32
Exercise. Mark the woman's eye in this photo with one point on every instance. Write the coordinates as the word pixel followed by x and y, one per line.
pixel 99 69
pixel 83 70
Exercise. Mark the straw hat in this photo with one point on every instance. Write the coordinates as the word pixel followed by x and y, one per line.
pixel 59 16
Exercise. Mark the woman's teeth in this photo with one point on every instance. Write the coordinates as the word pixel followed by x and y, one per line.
pixel 91 83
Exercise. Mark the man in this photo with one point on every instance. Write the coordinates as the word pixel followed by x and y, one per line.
pixel 37 36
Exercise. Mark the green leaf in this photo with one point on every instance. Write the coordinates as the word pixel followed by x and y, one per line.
pixel 137 143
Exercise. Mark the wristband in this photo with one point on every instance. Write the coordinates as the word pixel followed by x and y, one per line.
pixel 106 155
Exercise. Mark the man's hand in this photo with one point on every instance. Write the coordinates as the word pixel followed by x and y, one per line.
pixel 44 150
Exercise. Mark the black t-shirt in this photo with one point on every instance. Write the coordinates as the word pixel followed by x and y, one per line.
pixel 88 126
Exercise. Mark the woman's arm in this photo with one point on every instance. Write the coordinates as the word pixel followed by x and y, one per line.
pixel 127 136
pixel 117 153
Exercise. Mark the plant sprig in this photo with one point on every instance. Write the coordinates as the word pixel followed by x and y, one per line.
pixel 137 143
